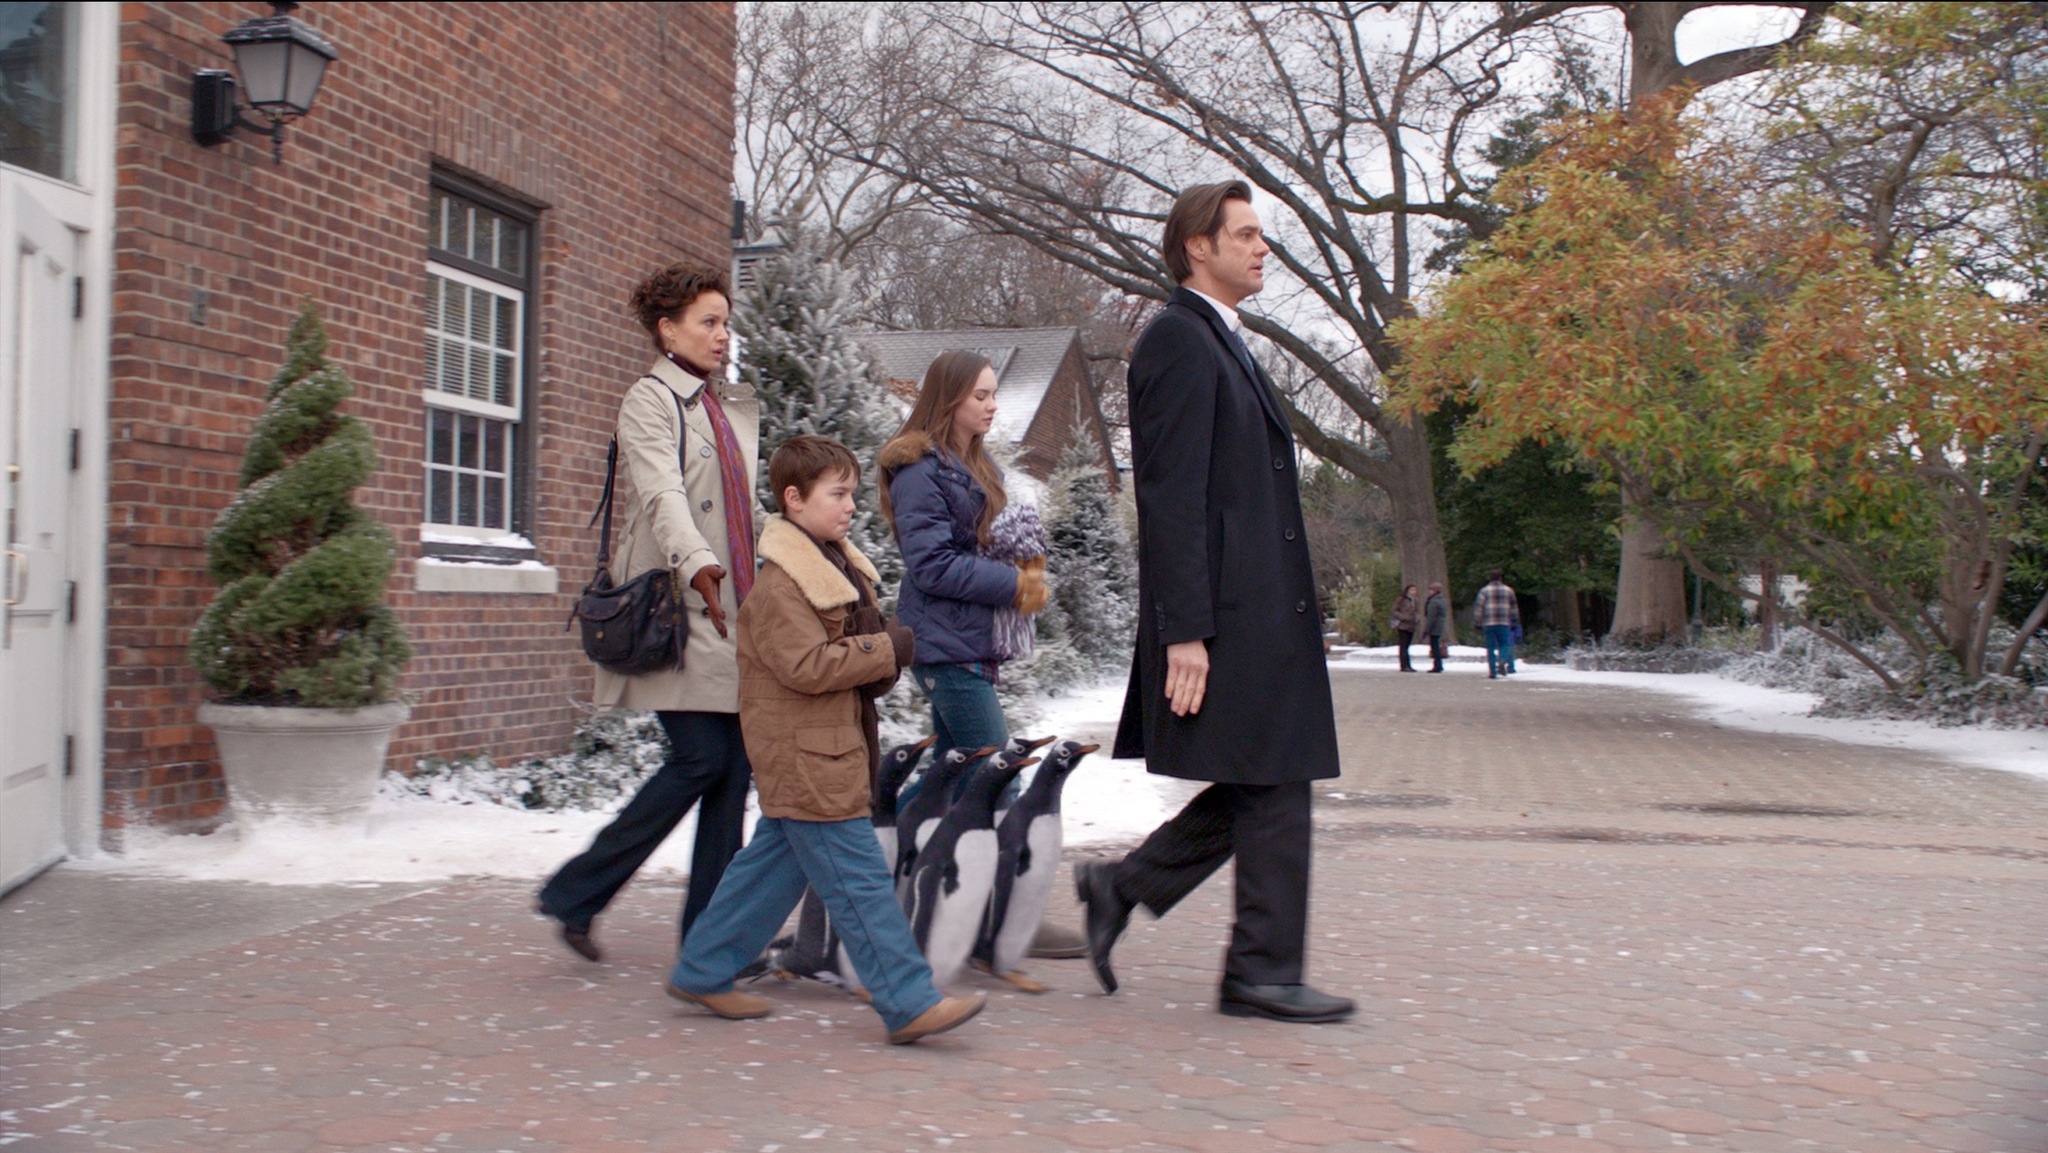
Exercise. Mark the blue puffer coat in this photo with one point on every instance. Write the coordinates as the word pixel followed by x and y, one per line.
pixel 950 592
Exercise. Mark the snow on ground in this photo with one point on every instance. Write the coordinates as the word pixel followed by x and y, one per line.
pixel 1764 710
pixel 1107 801
pixel 414 838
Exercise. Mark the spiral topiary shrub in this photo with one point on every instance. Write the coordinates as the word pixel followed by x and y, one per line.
pixel 300 619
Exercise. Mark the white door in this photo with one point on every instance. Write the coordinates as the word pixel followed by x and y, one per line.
pixel 38 338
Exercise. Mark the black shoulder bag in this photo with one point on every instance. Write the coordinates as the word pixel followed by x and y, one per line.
pixel 640 626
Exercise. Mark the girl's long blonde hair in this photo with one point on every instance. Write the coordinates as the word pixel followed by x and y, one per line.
pixel 949 381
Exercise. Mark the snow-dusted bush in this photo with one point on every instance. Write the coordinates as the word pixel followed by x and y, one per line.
pixel 1086 629
pixel 1845 686
pixel 611 753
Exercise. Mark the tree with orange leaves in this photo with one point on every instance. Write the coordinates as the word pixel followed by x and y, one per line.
pixel 1740 366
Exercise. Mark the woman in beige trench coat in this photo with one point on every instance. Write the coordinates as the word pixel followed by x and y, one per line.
pixel 688 446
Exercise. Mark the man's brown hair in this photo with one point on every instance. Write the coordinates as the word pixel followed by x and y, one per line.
pixel 1198 211
pixel 803 460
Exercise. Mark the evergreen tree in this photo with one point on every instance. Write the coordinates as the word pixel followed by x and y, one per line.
pixel 300 619
pixel 1090 564
pixel 800 352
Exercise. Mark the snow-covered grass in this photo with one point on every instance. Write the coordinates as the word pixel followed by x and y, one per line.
pixel 1108 802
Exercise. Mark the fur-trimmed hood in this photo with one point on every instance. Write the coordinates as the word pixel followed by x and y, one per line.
pixel 906 447
pixel 819 579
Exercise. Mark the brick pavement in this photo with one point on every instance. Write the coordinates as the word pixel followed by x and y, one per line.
pixel 1553 946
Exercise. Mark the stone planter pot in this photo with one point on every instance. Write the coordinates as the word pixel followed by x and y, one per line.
pixel 318 766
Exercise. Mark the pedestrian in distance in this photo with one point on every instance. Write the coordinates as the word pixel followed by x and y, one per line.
pixel 1407 615
pixel 1229 681
pixel 1436 623
pixel 688 444
pixel 807 663
pixel 1498 614
pixel 942 493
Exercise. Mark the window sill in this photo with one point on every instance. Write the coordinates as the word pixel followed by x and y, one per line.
pixel 433 575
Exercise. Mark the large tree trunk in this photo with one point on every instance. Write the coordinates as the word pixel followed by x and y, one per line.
pixel 1649 596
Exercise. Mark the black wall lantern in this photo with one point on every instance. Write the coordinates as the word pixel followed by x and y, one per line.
pixel 281 62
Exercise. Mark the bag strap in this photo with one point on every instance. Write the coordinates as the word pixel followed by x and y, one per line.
pixel 611 476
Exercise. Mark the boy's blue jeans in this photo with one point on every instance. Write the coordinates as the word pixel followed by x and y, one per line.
pixel 1500 649
pixel 843 862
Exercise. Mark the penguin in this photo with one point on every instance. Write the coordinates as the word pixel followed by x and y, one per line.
pixel 897 766
pixel 955 869
pixel 1018 747
pixel 1028 843
pixel 918 815
pixel 813 952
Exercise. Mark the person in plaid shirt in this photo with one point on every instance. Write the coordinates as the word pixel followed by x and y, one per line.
pixel 1498 614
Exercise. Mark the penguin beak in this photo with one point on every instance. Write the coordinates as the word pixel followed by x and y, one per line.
pixel 1025 764
pixel 980 753
pixel 1084 750
pixel 1040 743
pixel 926 743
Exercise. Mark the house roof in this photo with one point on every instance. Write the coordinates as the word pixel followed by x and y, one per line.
pixel 1025 360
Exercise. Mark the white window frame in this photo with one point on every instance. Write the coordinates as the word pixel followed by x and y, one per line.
pixel 434 397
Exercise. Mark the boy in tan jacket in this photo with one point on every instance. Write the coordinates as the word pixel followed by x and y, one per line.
pixel 808 647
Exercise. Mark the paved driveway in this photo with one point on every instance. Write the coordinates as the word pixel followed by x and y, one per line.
pixel 1575 919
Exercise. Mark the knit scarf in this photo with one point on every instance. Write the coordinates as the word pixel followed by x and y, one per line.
pixel 736 487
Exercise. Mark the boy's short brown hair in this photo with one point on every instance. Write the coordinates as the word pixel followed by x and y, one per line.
pixel 803 460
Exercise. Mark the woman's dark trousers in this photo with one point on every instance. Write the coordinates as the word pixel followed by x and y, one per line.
pixel 1407 637
pixel 707 766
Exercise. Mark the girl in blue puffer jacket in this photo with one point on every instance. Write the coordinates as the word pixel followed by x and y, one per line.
pixel 941 493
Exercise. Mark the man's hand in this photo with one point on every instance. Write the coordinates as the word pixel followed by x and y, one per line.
pixel 1187 676
pixel 706 584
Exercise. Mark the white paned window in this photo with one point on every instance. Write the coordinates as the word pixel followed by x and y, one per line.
pixel 475 335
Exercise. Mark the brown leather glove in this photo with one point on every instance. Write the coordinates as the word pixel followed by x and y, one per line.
pixel 904 644
pixel 1031 590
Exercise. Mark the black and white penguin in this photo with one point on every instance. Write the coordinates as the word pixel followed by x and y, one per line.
pixel 1029 839
pixel 812 953
pixel 1018 747
pixel 954 871
pixel 917 816
pixel 897 765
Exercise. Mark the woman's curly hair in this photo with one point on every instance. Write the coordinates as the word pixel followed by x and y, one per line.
pixel 671 290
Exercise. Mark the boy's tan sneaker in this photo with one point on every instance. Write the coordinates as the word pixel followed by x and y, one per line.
pixel 947 1014
pixel 732 1005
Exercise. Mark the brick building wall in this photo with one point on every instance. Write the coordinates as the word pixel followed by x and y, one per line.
pixel 614 120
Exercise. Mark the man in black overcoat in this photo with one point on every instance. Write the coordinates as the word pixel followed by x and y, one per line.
pixel 1228 684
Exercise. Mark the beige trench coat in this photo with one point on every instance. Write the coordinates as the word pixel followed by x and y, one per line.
pixel 675 519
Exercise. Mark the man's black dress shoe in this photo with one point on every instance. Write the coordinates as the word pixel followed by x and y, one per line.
pixel 1297 1003
pixel 1108 915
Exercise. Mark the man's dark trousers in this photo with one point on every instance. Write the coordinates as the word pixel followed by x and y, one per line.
pixel 707 766
pixel 1266 827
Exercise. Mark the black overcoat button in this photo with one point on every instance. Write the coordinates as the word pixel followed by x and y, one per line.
pixel 1289 534
pixel 1301 606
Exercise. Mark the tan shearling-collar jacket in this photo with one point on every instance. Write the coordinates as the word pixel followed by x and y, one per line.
pixel 800 679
